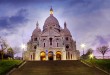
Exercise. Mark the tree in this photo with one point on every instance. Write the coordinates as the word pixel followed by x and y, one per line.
pixel 103 50
pixel 10 52
pixel 89 51
pixel 3 46
pixel 16 50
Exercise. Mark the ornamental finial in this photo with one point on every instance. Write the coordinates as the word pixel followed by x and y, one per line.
pixel 51 11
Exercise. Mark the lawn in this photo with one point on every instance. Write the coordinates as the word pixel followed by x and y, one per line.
pixel 7 65
pixel 102 63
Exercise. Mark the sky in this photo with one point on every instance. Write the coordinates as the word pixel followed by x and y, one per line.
pixel 87 20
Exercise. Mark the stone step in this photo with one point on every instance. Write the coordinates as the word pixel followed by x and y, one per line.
pixel 68 67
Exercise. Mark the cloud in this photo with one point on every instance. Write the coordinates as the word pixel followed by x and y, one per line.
pixel 22 2
pixel 89 28
pixel 101 40
pixel 82 7
pixel 88 20
pixel 11 22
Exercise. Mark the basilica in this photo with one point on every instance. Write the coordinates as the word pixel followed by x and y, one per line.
pixel 51 43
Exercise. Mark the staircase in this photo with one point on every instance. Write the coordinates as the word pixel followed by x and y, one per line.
pixel 56 68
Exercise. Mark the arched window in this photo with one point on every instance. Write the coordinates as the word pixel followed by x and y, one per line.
pixel 66 38
pixel 71 56
pixel 57 39
pixel 57 44
pixel 50 41
pixel 35 39
pixel 31 57
pixel 44 44
pixel 43 39
pixel 67 46
pixel 50 27
pixel 35 47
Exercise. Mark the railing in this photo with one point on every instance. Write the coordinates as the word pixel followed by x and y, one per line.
pixel 101 57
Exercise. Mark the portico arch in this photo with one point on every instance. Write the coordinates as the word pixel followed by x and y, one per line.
pixel 58 55
pixel 42 55
pixel 50 55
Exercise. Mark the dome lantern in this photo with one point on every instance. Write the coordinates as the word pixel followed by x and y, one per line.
pixel 51 11
pixel 37 24
pixel 64 24
pixel 37 30
pixel 66 30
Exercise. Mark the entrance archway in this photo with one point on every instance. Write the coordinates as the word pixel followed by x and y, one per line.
pixel 58 55
pixel 42 55
pixel 50 55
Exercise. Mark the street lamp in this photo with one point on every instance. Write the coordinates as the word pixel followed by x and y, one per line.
pixel 83 46
pixel 91 56
pixel 23 46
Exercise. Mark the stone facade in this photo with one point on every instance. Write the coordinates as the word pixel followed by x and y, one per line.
pixel 52 43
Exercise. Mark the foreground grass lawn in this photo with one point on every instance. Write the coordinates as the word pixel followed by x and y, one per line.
pixel 6 65
pixel 102 63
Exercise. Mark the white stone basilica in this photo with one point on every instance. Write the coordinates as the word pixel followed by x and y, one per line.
pixel 52 43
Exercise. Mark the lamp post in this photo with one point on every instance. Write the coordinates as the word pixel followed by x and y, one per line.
pixel 23 46
pixel 91 56
pixel 83 46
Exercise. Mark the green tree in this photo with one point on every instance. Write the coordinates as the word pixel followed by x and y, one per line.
pixel 89 51
pixel 10 52
pixel 3 46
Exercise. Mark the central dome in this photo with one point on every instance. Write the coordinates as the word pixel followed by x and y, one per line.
pixel 51 21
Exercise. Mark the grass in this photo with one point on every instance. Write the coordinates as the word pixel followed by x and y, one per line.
pixel 101 63
pixel 7 65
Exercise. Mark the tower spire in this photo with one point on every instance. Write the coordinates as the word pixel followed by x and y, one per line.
pixel 65 24
pixel 37 24
pixel 51 11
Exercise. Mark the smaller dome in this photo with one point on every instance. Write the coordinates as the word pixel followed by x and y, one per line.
pixel 66 30
pixel 36 31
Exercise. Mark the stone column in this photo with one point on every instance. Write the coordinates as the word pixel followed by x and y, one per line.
pixel 46 56
pixel 54 55
pixel 63 55
pixel 37 55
